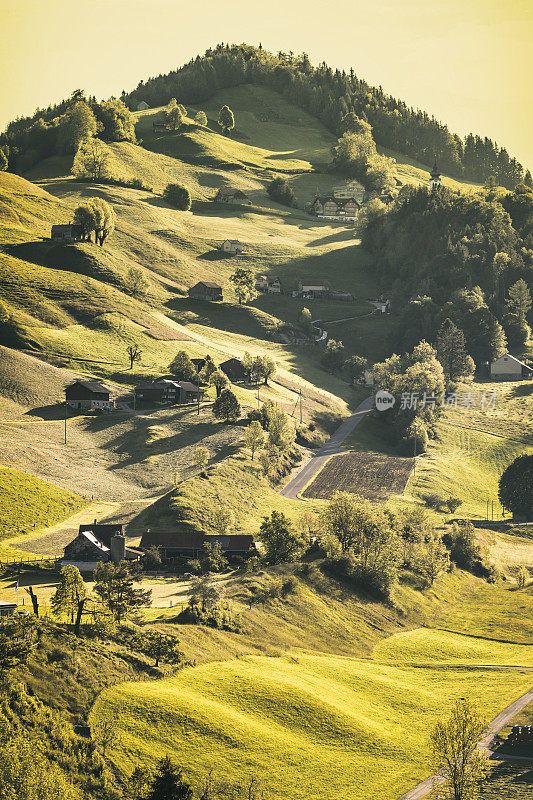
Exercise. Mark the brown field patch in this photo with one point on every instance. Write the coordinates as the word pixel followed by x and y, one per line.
pixel 372 475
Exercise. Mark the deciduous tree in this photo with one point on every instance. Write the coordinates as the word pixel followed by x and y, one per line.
pixel 254 438
pixel 226 120
pixel 182 367
pixel 226 406
pixel 516 487
pixel 134 353
pixel 136 283
pixel 244 281
pixel 91 160
pixel 114 586
pixel 178 196
pixel 70 591
pixel 281 542
pixel 455 753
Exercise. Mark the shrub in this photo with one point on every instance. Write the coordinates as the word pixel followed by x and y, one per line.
pixel 280 191
pixel 464 550
pixel 178 196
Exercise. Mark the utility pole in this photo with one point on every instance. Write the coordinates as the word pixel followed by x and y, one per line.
pixel 65 421
pixel 258 401
pixel 301 410
pixel 487 508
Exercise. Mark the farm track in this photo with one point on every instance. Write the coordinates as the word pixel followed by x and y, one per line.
pixel 499 722
pixel 331 448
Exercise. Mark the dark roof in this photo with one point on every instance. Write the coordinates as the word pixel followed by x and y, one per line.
pixel 92 386
pixel 337 200
pixel 231 360
pixel 209 284
pixel 103 532
pixel 66 227
pixel 313 282
pixel 195 541
pixel 187 386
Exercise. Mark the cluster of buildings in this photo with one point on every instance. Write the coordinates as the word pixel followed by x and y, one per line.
pixel 97 542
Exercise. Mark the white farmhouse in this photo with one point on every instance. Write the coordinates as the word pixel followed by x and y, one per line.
pixel 232 246
pixel 509 368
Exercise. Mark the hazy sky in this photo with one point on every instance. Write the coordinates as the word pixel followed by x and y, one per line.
pixel 468 62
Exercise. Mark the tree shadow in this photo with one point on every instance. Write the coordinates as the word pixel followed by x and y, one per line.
pixel 523 390
pixel 214 255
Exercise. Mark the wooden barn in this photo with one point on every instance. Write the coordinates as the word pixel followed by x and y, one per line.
pixel 234 369
pixel 206 290
pixel 92 395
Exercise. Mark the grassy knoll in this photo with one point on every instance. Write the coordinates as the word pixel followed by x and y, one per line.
pixel 28 502
pixel 423 646
pixel 304 723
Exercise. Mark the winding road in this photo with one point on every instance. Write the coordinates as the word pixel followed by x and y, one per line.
pixel 332 447
pixel 499 722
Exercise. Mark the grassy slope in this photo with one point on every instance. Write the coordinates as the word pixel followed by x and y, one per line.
pixel 28 502
pixel 356 723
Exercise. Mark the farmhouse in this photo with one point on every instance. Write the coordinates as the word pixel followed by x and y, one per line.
pixel 509 368
pixel 192 545
pixel 231 246
pixel 167 391
pixel 89 394
pixel 142 106
pixel 233 197
pixel 313 287
pixel 333 208
pixel 349 190
pixel 66 233
pixel 269 285
pixel 7 609
pixel 234 369
pixel 206 290
pixel 95 543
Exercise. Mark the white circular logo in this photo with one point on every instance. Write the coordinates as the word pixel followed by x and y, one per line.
pixel 384 400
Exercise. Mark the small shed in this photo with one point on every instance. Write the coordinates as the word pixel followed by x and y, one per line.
pixel 7 609
pixel 509 368
pixel 234 369
pixel 142 106
pixel 66 233
pixel 89 395
pixel 311 287
pixel 232 246
pixel 206 290
pixel 233 197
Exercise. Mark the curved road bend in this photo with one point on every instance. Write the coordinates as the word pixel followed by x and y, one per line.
pixel 499 722
pixel 332 447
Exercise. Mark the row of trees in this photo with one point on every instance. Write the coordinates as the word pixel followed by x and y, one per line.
pixel 61 129
pixel 95 216
pixel 332 96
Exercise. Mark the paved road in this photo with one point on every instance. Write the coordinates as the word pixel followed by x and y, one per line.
pixel 330 448
pixel 495 726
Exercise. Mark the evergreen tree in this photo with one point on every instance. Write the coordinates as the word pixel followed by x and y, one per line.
pixel 3 160
pixel 519 299
pixel 168 783
pixel 452 354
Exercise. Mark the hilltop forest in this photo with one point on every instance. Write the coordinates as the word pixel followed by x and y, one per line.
pixel 331 95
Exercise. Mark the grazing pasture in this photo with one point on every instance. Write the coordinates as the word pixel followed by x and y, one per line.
pixel 306 724
pixel 372 475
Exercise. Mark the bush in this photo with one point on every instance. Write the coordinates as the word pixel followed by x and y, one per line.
pixel 178 196
pixel 280 191
pixel 371 579
pixel 464 550
pixel 218 616
pixel 441 503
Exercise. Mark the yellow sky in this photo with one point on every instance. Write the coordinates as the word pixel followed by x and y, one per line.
pixel 468 62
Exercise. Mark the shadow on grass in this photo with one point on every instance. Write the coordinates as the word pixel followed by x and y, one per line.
pixel 524 390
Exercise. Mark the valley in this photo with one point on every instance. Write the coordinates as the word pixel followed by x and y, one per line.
pixel 320 668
